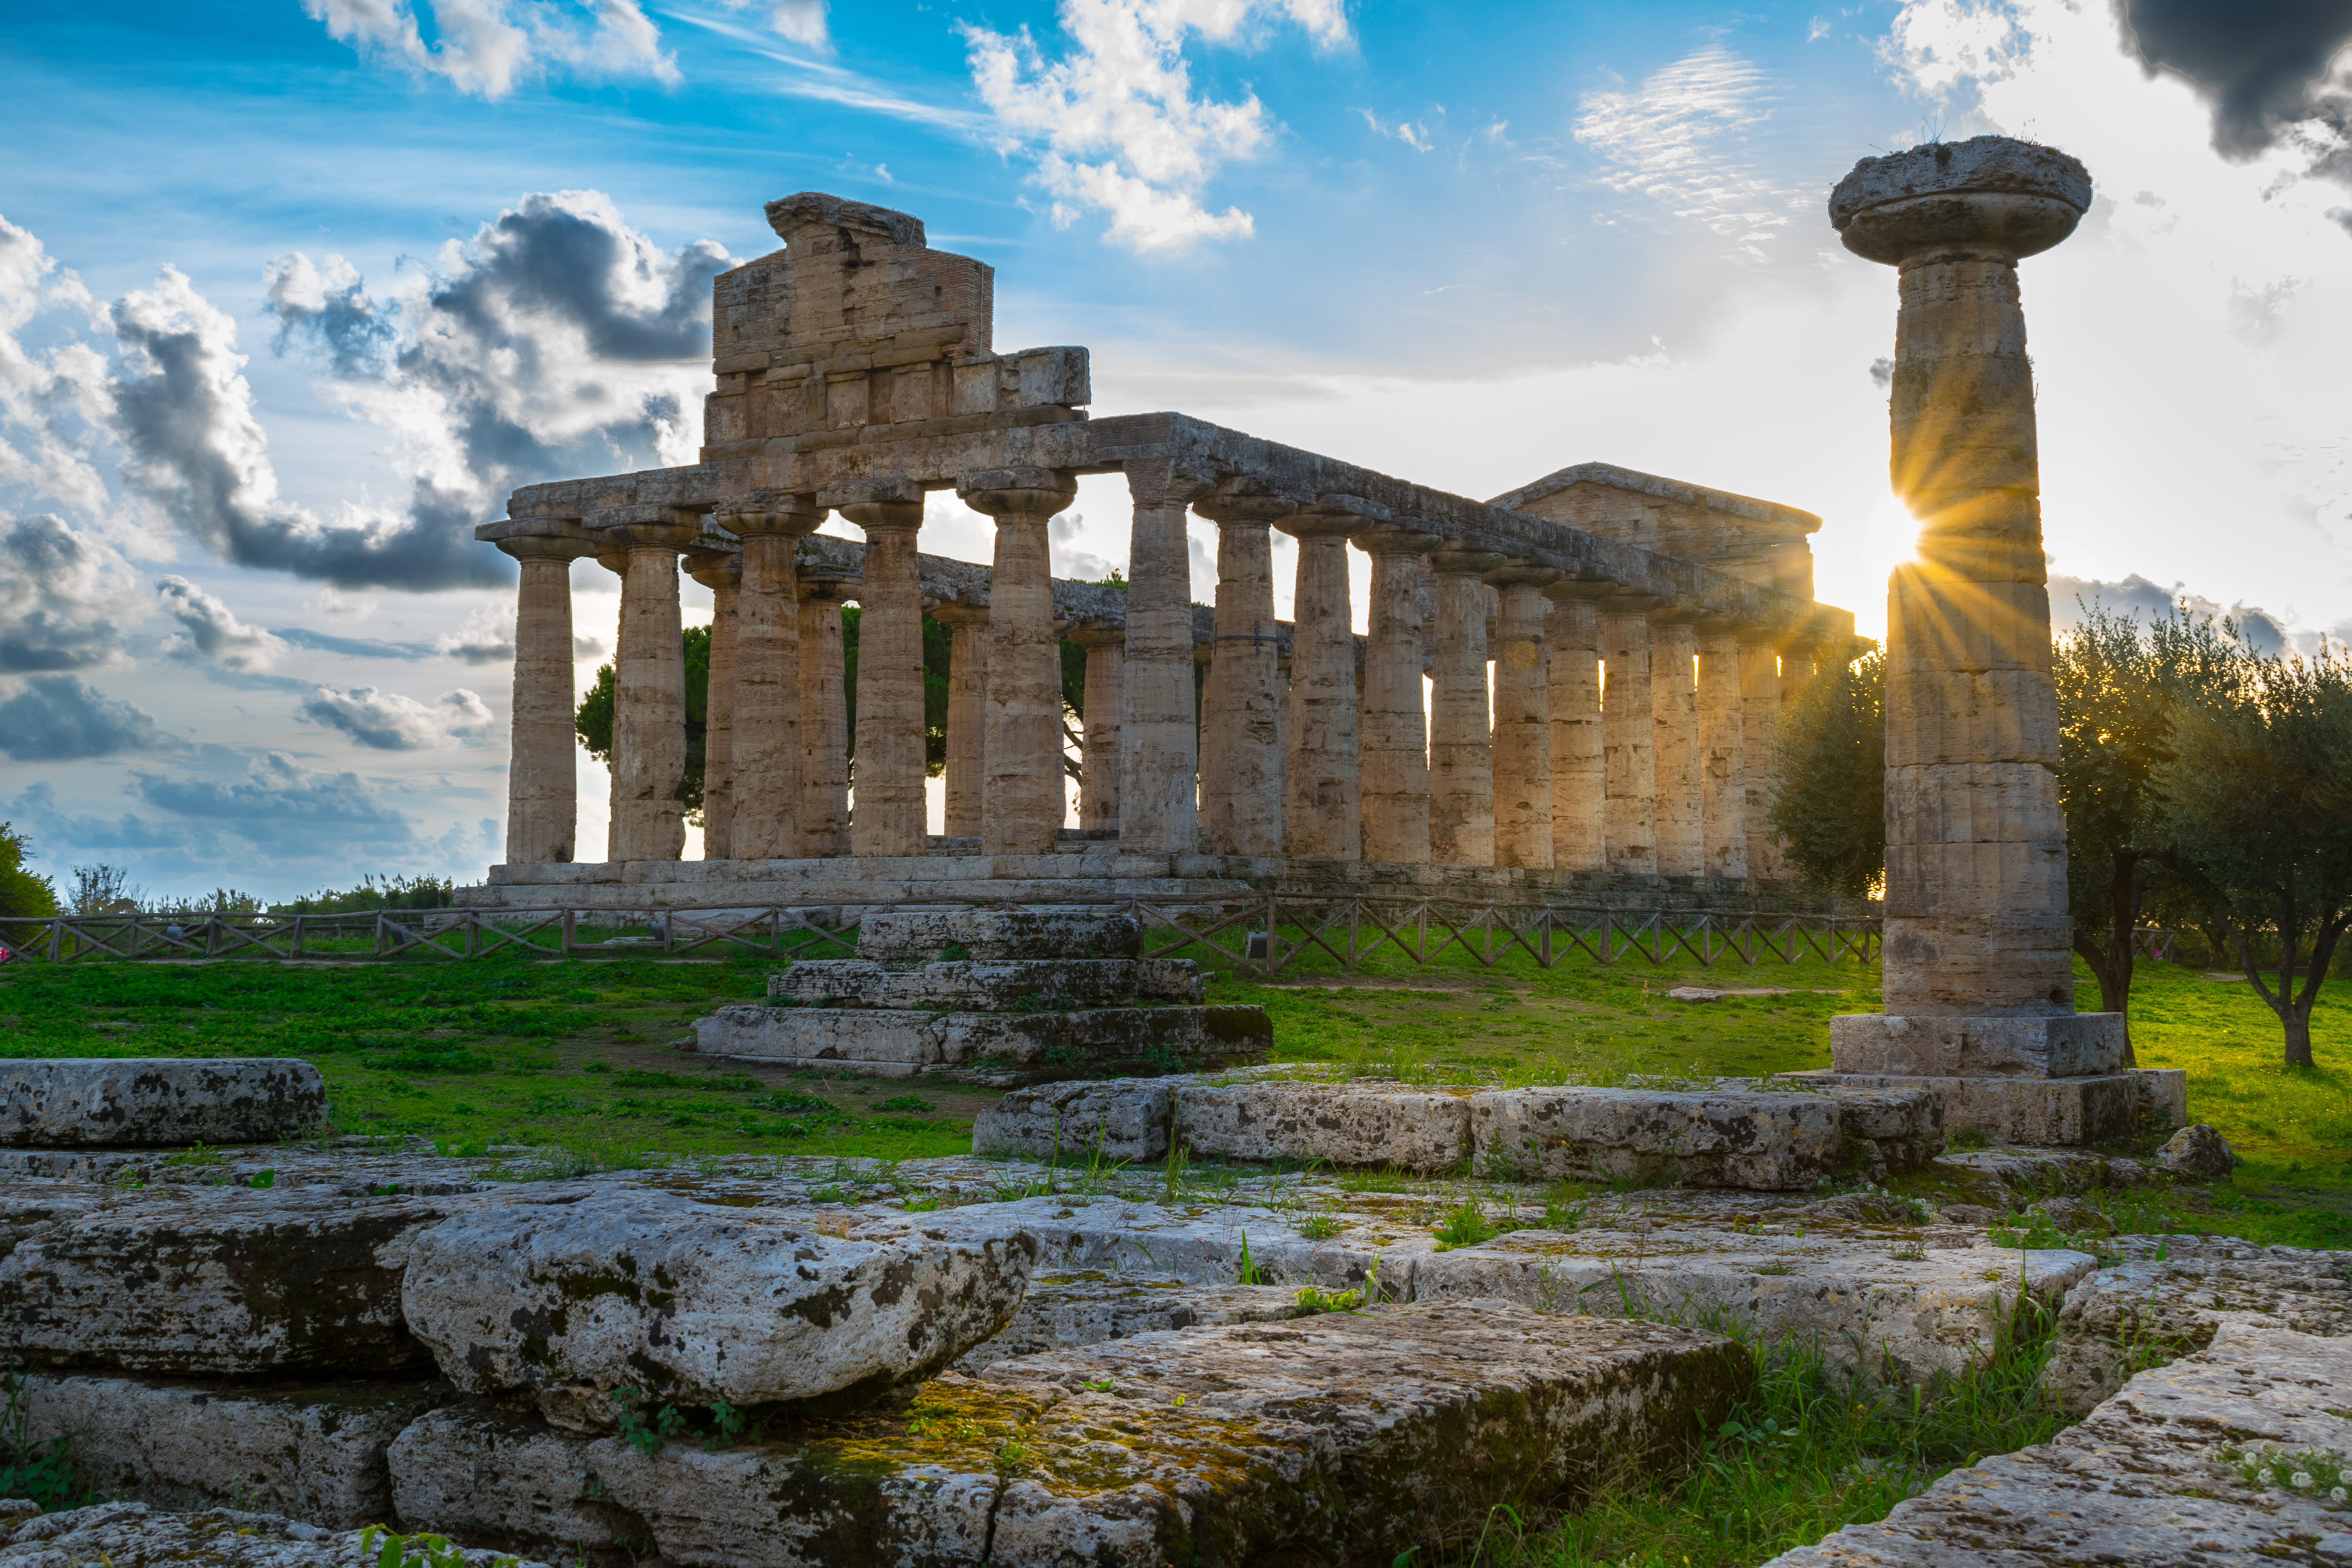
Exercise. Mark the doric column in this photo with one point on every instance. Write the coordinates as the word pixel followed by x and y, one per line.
pixel 1572 638
pixel 1976 921
pixel 967 769
pixel 1796 671
pixel 767 745
pixel 1629 728
pixel 721 572
pixel 825 714
pixel 1322 811
pixel 1673 699
pixel 1522 826
pixel 1026 796
pixel 616 561
pixel 649 693
pixel 1159 740
pixel 1461 739
pixel 1723 777
pixel 542 788
pixel 1395 734
pixel 1242 793
pixel 1106 696
pixel 1759 721
pixel 886 816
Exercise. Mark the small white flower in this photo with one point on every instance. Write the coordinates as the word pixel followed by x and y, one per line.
pixel 2303 1482
pixel 2335 1494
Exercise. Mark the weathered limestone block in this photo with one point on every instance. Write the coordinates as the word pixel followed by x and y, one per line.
pixel 987 987
pixel 1345 1124
pixel 31 1208
pixel 96 1102
pixel 2072 1046
pixel 998 1050
pixel 2151 1478
pixel 1123 1119
pixel 1068 1312
pixel 2163 1094
pixel 2198 1151
pixel 1762 1141
pixel 2048 1112
pixel 2121 1318
pixel 132 1535
pixel 1352 1438
pixel 230 1282
pixel 314 1454
pixel 998 935
pixel 695 1303
pixel 507 1479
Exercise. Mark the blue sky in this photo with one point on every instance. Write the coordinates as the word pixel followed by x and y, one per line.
pixel 293 291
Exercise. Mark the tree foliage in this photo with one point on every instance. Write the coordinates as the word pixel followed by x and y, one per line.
pixel 1830 763
pixel 22 894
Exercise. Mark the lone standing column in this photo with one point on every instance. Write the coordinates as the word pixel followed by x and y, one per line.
pixel 1573 648
pixel 1322 814
pixel 967 768
pixel 824 715
pixel 1240 790
pixel 1026 796
pixel 767 743
pixel 1159 740
pixel 1461 737
pixel 649 693
pixel 1977 934
pixel 1629 729
pixel 1395 742
pixel 1723 780
pixel 542 787
pixel 721 572
pixel 887 817
pixel 1523 825
pixel 1760 728
pixel 1106 696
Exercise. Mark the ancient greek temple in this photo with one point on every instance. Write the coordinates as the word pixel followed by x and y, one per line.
pixel 1574 684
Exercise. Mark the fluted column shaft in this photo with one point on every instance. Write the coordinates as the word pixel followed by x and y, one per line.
pixel 542 788
pixel 825 717
pixel 886 816
pixel 649 701
pixel 1395 735
pixel 966 777
pixel 1158 739
pixel 767 741
pixel 1629 727
pixel 1523 823
pixel 1322 811
pixel 1674 699
pixel 721 572
pixel 1241 782
pixel 1760 719
pixel 1106 696
pixel 1461 737
pixel 1722 740
pixel 1573 657
pixel 616 561
pixel 1026 799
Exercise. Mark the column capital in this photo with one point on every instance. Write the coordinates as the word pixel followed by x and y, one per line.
pixel 771 511
pixel 1577 590
pixel 548 547
pixel 1395 539
pixel 1628 604
pixel 664 530
pixel 1522 574
pixel 1167 482
pixel 826 587
pixel 1991 196
pixel 1099 634
pixel 715 569
pixel 958 612
pixel 1327 515
pixel 1000 492
pixel 1448 560
pixel 1244 501
pixel 883 516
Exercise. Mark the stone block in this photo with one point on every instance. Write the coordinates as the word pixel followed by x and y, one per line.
pixel 2052 1113
pixel 1032 932
pixel 996 1049
pixel 2153 1476
pixel 1343 1124
pixel 133 1535
pixel 970 985
pixel 694 1303
pixel 314 1454
pixel 502 1478
pixel 1068 1312
pixel 2163 1094
pixel 1706 1139
pixel 106 1101
pixel 1124 1119
pixel 2072 1046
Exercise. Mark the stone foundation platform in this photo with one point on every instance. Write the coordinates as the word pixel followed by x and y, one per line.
pixel 2042 1112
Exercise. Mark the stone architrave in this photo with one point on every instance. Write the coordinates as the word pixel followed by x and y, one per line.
pixel 767 741
pixel 1322 811
pixel 1572 655
pixel 542 788
pixel 824 715
pixel 1522 826
pixel 966 775
pixel 1158 737
pixel 1026 800
pixel 1242 777
pixel 1628 734
pixel 1461 735
pixel 649 693
pixel 721 572
pixel 1395 736
pixel 1976 921
pixel 1106 696
pixel 1759 723
pixel 1722 744
pixel 1673 700
pixel 886 818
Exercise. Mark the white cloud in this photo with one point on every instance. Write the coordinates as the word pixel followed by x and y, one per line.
pixel 389 721
pixel 212 631
pixel 1115 124
pixel 60 591
pixel 53 401
pixel 482 46
pixel 800 21
pixel 486 637
pixel 1681 140
pixel 1944 48
pixel 1413 134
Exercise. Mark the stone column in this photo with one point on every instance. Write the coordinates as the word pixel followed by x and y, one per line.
pixel 1395 738
pixel 616 561
pixel 1628 735
pixel 1572 639
pixel 1976 923
pixel 1522 826
pixel 1796 671
pixel 767 743
pixel 1759 722
pixel 1673 699
pixel 824 715
pixel 542 787
pixel 649 693
pixel 1723 776
pixel 1241 792
pixel 1461 737
pixel 721 572
pixel 1159 740
pixel 1322 809
pixel 1106 696
pixel 887 817
pixel 1025 797
pixel 967 769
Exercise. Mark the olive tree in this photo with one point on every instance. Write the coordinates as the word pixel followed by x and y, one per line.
pixel 1829 796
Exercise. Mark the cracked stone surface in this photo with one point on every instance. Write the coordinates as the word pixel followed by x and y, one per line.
pixel 1064 1311
pixel 998 1050
pixel 1035 932
pixel 988 986
pixel 132 1535
pixel 128 1102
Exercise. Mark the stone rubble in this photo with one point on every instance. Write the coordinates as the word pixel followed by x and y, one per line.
pixel 132 1535
pixel 112 1102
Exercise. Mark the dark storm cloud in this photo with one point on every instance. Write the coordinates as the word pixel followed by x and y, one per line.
pixel 55 610
pixel 59 719
pixel 2072 598
pixel 2262 65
